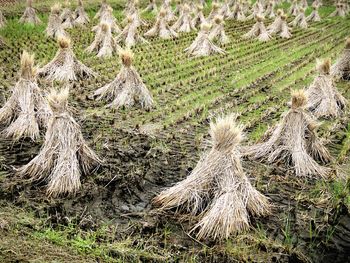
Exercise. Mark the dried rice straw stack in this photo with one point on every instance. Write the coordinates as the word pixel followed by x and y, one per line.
pixel 107 17
pixel 203 2
pixel 245 6
pixel 104 44
pixel 341 68
pixel 161 28
pixel 258 10
pixel 65 155
pixel 2 20
pixel 202 45
pixel 67 16
pixel 54 27
pixel 285 30
pixel 127 89
pixel 323 98
pixel 218 31
pixel 294 142
pixel 215 11
pixel 29 15
pixel 131 7
pixel 280 26
pixel 184 23
pixel 339 10
pixel 104 7
pixel 270 11
pixel 258 31
pixel 26 111
pixel 237 12
pixel 314 16
pixel 130 35
pixel 151 7
pixel 300 20
pixel 2 42
pixel 80 16
pixel 65 66
pixel 225 9
pixel 294 8
pixel 316 3
pixel 276 25
pixel 179 4
pixel 217 188
pixel 169 14
pixel 136 18
pixel 199 17
pixel 304 4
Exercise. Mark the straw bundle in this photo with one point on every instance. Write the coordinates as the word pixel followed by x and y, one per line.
pixel 202 45
pixel 294 142
pixel 54 27
pixel 324 100
pixel 65 155
pixel 80 16
pixel 184 23
pixel 26 111
pixel 218 31
pixel 341 68
pixel 217 188
pixel 104 44
pixel 130 35
pixel 29 15
pixel 127 89
pixel 65 66
pixel 258 31
pixel 161 27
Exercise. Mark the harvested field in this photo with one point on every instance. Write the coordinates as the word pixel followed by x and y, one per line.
pixel 111 218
